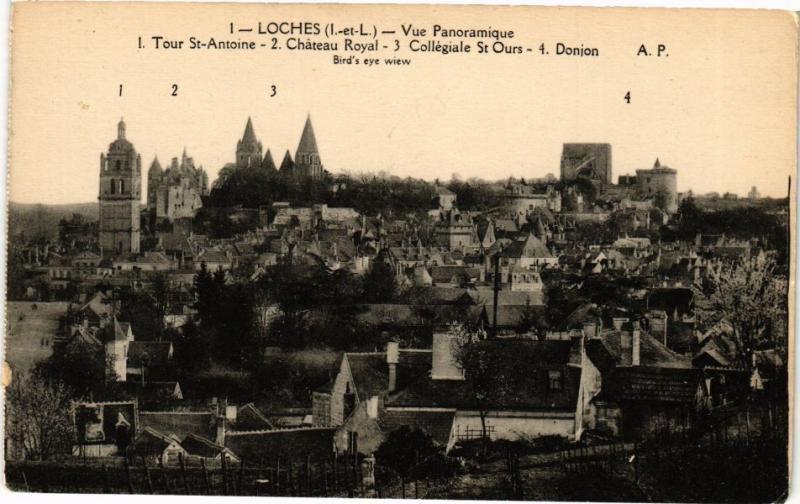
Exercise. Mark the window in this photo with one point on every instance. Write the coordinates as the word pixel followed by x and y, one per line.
pixel 113 187
pixel 555 380
pixel 117 164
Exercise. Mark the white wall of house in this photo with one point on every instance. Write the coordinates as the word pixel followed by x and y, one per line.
pixel 95 450
pixel 512 425
pixel 591 382
pixel 116 352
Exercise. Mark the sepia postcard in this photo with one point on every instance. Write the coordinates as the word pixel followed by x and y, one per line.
pixel 400 251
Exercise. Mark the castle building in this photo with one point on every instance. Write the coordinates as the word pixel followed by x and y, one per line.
pixel 659 182
pixel 119 196
pixel 306 159
pixel 589 160
pixel 176 192
pixel 456 230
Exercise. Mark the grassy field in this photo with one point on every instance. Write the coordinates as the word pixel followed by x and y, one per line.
pixel 30 333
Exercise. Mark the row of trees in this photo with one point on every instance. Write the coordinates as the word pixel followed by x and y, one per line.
pixel 289 306
pixel 742 222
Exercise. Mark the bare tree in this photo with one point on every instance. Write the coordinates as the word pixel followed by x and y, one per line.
pixel 485 369
pixel 39 420
pixel 749 295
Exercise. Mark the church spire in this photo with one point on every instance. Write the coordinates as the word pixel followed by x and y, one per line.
pixel 248 149
pixel 657 164
pixel 308 142
pixel 269 163
pixel 249 136
pixel 307 156
pixel 287 165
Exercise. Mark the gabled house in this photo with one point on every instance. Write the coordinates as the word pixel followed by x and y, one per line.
pixel 353 400
pixel 528 252
pixel 546 374
pixel 104 428
pixel 214 260
pixel 157 447
pixel 636 386
pixel 199 447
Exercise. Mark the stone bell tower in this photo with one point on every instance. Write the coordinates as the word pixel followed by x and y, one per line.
pixel 119 196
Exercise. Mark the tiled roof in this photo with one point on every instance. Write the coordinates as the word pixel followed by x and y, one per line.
pixel 652 384
pixel 371 372
pixel 652 352
pixel 507 297
pixel 248 417
pixel 528 364
pixel 213 256
pixel 180 423
pixel 512 316
pixel 152 442
pixel 444 274
pixel 529 247
pixel 286 444
pixel 437 424
pixel 200 446
pixel 451 295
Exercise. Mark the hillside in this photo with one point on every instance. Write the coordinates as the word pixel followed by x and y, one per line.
pixel 36 220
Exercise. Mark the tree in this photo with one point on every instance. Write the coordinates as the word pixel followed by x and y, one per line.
pixel 139 308
pixel 749 296
pixel 39 419
pixel 532 320
pixel 192 348
pixel 160 292
pixel 690 219
pixel 486 371
pixel 404 448
pixel 379 283
pixel 80 367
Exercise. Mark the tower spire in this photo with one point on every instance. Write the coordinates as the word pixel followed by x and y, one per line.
pixel 308 141
pixel 121 129
pixel 249 135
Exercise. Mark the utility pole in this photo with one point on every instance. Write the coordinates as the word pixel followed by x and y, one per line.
pixel 496 261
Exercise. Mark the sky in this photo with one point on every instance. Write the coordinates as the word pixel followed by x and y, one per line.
pixel 721 108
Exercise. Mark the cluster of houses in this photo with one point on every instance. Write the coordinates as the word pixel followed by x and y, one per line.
pixel 627 379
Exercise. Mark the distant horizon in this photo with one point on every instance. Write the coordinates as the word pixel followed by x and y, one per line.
pixel 143 200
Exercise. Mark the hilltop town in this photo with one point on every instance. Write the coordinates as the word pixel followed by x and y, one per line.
pixel 414 330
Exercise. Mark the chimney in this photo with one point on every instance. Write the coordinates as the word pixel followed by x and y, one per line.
pixel 618 321
pixel 392 358
pixel 220 436
pixel 444 365
pixel 636 347
pixel 230 413
pixel 372 407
